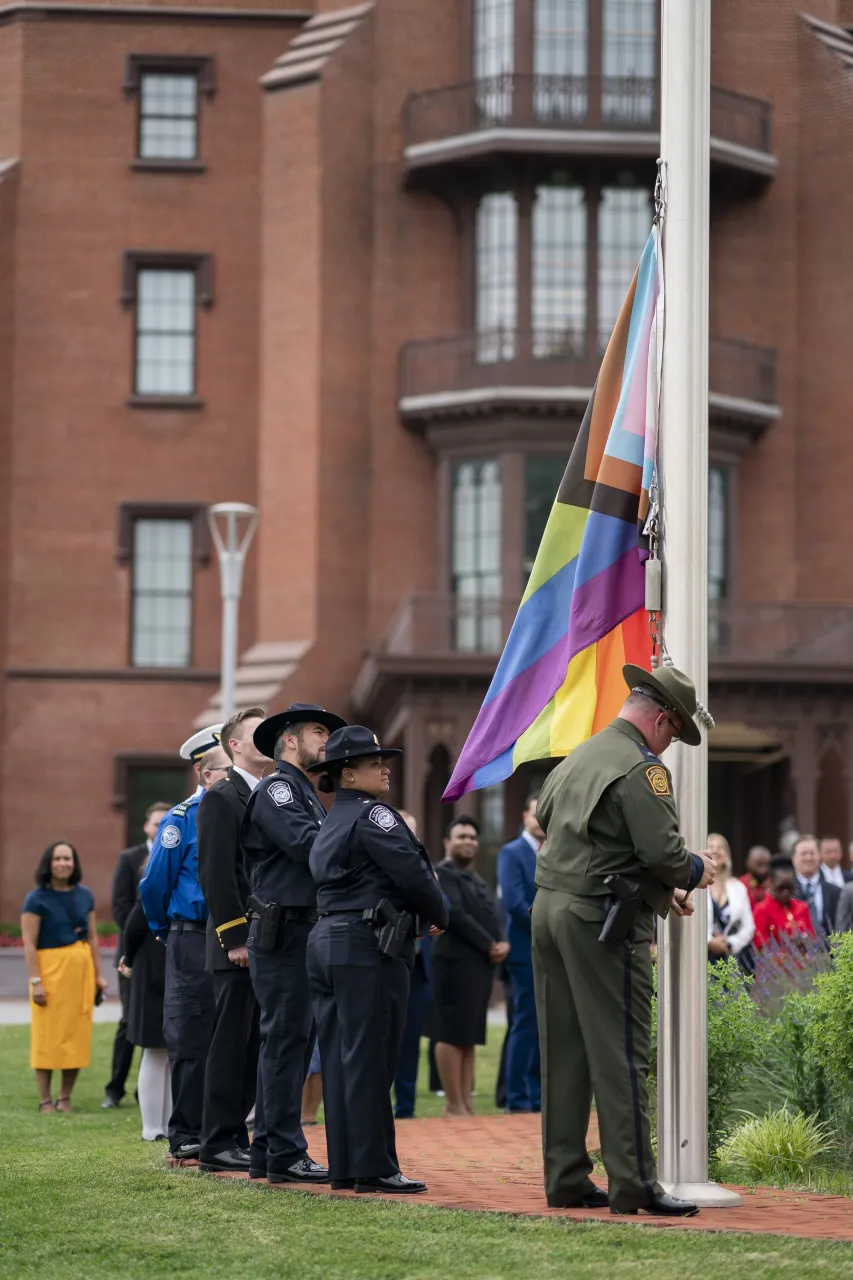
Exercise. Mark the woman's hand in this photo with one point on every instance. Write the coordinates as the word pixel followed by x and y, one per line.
pixel 718 946
pixel 101 983
pixel 38 994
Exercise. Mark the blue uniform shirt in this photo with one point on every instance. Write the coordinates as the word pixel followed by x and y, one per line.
pixel 170 889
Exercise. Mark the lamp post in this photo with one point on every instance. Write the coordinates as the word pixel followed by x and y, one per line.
pixel 683 952
pixel 231 546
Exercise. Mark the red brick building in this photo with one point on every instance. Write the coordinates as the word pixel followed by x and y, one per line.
pixel 356 267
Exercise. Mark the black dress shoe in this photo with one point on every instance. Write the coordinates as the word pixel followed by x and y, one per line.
pixel 109 1103
pixel 232 1161
pixel 397 1185
pixel 186 1151
pixel 343 1184
pixel 665 1205
pixel 257 1174
pixel 593 1199
pixel 304 1170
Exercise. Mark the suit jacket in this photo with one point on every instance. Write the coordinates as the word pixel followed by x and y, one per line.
pixel 474 924
pixel 844 913
pixel 125 889
pixel 516 872
pixel 221 872
pixel 831 897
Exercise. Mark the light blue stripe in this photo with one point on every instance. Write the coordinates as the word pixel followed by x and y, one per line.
pixel 539 624
pixel 497 770
pixel 605 540
pixel 643 301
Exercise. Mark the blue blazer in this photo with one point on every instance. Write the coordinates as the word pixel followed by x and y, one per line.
pixel 516 871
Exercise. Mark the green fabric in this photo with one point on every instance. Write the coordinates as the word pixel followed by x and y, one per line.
pixel 593 1003
pixel 602 816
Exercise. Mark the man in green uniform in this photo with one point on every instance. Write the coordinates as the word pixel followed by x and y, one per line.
pixel 608 810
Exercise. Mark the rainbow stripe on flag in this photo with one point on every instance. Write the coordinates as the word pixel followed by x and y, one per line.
pixel 559 679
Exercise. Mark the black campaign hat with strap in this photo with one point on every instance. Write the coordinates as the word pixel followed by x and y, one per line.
pixel 268 731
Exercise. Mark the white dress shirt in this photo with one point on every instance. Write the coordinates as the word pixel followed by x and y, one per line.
pixel 531 840
pixel 816 907
pixel 834 875
pixel 249 777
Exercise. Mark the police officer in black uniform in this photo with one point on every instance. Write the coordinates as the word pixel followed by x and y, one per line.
pixel 376 890
pixel 279 827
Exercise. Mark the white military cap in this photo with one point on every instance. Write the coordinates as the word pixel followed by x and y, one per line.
pixel 205 740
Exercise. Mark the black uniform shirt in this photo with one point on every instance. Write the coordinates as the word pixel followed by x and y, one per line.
pixel 365 853
pixel 280 825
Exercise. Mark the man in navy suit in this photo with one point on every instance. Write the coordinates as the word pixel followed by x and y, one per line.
pixel 812 887
pixel 516 870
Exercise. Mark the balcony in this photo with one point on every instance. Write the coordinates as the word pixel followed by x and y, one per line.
pixel 794 639
pixel 562 116
pixel 546 372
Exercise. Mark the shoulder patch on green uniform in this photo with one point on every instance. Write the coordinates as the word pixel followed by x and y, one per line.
pixel 658 780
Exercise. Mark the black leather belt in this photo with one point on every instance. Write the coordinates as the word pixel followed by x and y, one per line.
pixel 345 911
pixel 292 913
pixel 186 926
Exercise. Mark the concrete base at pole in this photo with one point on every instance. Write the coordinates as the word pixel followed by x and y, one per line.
pixel 708 1195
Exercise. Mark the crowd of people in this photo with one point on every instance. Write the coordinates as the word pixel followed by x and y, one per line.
pixel 273 950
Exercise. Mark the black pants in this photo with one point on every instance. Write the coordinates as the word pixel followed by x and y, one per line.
pixel 122 1048
pixel 231 1073
pixel 188 1015
pixel 360 1000
pixel 287 1039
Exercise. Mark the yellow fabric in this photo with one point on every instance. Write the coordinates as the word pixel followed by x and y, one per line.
pixel 61 1031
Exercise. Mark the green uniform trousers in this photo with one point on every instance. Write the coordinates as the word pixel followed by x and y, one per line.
pixel 593 1002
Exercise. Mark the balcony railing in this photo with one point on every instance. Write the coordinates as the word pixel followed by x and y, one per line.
pixel 792 634
pixel 554 358
pixel 616 104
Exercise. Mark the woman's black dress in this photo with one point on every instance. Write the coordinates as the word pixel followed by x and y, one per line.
pixel 147 958
pixel 462 973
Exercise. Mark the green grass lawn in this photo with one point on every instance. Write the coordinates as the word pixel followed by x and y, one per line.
pixel 82 1198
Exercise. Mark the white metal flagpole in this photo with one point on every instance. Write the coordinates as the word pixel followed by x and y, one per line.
pixel 682 951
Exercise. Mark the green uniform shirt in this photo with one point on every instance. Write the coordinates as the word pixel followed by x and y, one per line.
pixel 608 809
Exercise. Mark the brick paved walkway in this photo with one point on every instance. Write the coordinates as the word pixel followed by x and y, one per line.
pixel 494 1163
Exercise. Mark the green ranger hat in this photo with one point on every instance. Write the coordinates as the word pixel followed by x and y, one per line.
pixel 672 690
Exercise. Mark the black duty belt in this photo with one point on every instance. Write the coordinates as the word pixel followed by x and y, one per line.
pixel 186 926
pixel 345 911
pixel 292 913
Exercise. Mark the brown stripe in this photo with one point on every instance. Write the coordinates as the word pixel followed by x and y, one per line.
pixel 609 385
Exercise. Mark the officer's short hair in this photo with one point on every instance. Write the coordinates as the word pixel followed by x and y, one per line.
pixel 227 730
pixel 462 821
pixel 294 728
pixel 781 863
pixel 159 806
pixel 206 762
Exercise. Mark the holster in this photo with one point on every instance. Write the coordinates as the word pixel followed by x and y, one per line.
pixel 623 906
pixel 269 916
pixel 393 928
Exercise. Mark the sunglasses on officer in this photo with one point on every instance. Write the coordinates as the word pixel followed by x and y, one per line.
pixel 664 706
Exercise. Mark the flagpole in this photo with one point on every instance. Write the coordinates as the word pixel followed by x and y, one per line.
pixel 682 951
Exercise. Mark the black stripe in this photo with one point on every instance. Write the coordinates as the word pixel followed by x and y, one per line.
pixel 632 1071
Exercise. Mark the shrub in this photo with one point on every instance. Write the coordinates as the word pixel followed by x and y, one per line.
pixel 829 1032
pixel 793 1040
pixel 777 1149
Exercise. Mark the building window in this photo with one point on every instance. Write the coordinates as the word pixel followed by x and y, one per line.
pixel 494 55
pixel 543 473
pixel 162 560
pixel 624 222
pixel 165 333
pixel 148 783
pixel 496 258
pixel 169 88
pixel 629 61
pixel 560 37
pixel 718 541
pixel 476 555
pixel 168 116
pixel 559 272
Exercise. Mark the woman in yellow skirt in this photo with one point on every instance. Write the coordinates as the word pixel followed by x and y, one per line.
pixel 64 964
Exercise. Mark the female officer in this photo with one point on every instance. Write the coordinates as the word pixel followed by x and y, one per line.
pixel 367 866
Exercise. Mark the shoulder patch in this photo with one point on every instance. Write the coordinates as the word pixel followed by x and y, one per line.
pixel 658 780
pixel 383 817
pixel 281 794
pixel 170 837
pixel 180 809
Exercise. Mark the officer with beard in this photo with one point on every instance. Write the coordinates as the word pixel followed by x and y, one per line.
pixel 279 827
